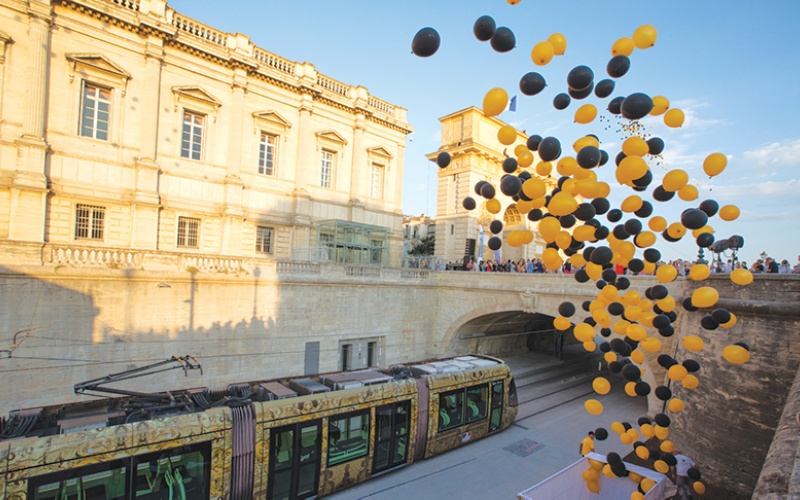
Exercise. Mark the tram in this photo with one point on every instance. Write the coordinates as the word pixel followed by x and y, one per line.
pixel 291 438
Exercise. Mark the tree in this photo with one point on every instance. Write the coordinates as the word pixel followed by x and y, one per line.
pixel 425 246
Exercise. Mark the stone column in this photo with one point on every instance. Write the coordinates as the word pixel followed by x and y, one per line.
pixel 29 183
pixel 146 198
pixel 359 168
pixel 233 214
pixel 304 172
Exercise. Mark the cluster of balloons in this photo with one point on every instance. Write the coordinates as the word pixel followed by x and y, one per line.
pixel 568 215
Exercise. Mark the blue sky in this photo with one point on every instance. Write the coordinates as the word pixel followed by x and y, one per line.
pixel 732 66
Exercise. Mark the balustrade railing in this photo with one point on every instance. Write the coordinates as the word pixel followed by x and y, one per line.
pixel 381 105
pixel 332 85
pixel 297 267
pixel 273 61
pixel 128 4
pixel 91 257
pixel 213 264
pixel 362 271
pixel 199 29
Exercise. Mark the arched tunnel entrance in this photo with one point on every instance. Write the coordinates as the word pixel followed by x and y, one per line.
pixel 509 332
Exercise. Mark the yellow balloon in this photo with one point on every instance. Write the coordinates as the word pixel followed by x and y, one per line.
pixel 645 239
pixel 493 206
pixel 675 179
pixel 688 193
pixel 622 47
pixel 731 322
pixel 632 168
pixel 642 452
pixel 495 102
pixel 525 159
pixel 657 223
pixel 704 297
pixel 704 229
pixel 587 140
pixel 636 332
pixel 661 432
pixel 538 202
pixel 675 405
pixel 544 168
pixel 647 484
pixel 625 438
pixel 630 389
pixel 633 313
pixel 610 356
pixel 542 53
pixel 741 277
pixel 676 230
pixel 736 354
pixel 559 43
pixel 583 332
pixel 596 464
pixel 666 274
pixel 699 487
pixel 567 165
pixel 661 466
pixel 635 146
pixel 604 189
pixel 667 446
pixel 534 188
pixel 589 346
pixel 585 114
pixel 561 323
pixel 647 430
pixel 677 372
pixel 692 343
pixel 584 233
pixel 666 304
pixel 660 105
pixel 674 118
pixel 553 262
pixel 633 434
pixel 593 406
pixel 562 204
pixel 690 381
pixel 651 344
pixel 631 204
pixel 563 240
pixel 699 272
pixel 507 135
pixel 714 164
pixel 637 356
pixel 519 148
pixel 645 36
pixel 729 213
pixel 636 495
pixel 608 472
pixel 577 260
pixel 601 385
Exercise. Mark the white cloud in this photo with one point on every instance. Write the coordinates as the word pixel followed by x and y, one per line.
pixel 767 191
pixel 786 154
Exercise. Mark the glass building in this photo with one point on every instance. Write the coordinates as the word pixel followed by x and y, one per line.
pixel 354 243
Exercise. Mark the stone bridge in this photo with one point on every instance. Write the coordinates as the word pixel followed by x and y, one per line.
pixel 60 325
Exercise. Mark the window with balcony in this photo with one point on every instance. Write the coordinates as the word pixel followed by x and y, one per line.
pixel 89 222
pixel 264 239
pixel 188 232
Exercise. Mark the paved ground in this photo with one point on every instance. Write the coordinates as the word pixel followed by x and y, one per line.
pixel 531 450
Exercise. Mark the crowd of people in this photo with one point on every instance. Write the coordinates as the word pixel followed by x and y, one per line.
pixel 766 265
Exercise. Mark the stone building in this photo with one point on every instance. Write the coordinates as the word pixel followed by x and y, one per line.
pixel 138 137
pixel 471 139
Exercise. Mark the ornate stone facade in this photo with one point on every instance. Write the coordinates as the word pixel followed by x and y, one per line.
pixel 128 129
pixel 471 139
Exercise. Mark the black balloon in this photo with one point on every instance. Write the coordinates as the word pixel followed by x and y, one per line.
pixel 622 283
pixel 600 284
pixel 468 203
pixel 617 66
pixel 658 292
pixel 721 316
pixel 660 321
pixel 510 185
pixel 601 205
pixel 426 42
pixel 643 420
pixel 561 101
pixel 535 215
pixel 708 322
pixel 661 194
pixel 636 265
pixel 487 191
pixel 665 360
pixel 566 309
pixel 602 255
pixel 615 105
pixel 580 77
pixel 709 207
pixel 484 28
pixel 642 388
pixel 662 420
pixel 588 157
pixel 496 226
pixel 494 243
pixel 614 215
pixel 503 39
pixel 609 275
pixel 645 211
pixel 656 145
pixel 663 392
pixel 532 83
pixel 667 331
pixel 616 309
pixel 567 221
pixel 620 233
pixel 581 276
pixel 615 367
pixel 601 434
pixel 585 211
pixel 644 180
pixel 613 459
pixel 636 106
pixel 691 365
pixel 603 157
pixel 652 255
pixel 604 88
pixel 694 218
pixel 533 142
pixel 549 149
pixel 510 165
pixel 581 94
pixel 693 474
pixel 478 186
pixel 633 226
pixel 443 159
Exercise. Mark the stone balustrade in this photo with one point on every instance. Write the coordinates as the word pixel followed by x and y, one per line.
pixel 59 255
pixel 273 61
pixel 198 29
pixel 332 85
pixel 128 4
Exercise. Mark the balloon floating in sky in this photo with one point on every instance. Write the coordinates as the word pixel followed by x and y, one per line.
pixel 426 42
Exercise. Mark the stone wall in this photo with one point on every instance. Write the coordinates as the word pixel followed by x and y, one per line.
pixel 730 419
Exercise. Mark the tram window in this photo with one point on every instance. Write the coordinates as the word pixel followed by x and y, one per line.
pixel 348 437
pixel 108 480
pixel 497 406
pixel 451 409
pixel 183 472
pixel 477 403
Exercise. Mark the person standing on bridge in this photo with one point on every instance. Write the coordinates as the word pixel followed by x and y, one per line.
pixel 681 474
pixel 587 444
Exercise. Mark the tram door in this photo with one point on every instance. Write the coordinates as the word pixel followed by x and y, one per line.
pixel 294 461
pixel 391 435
